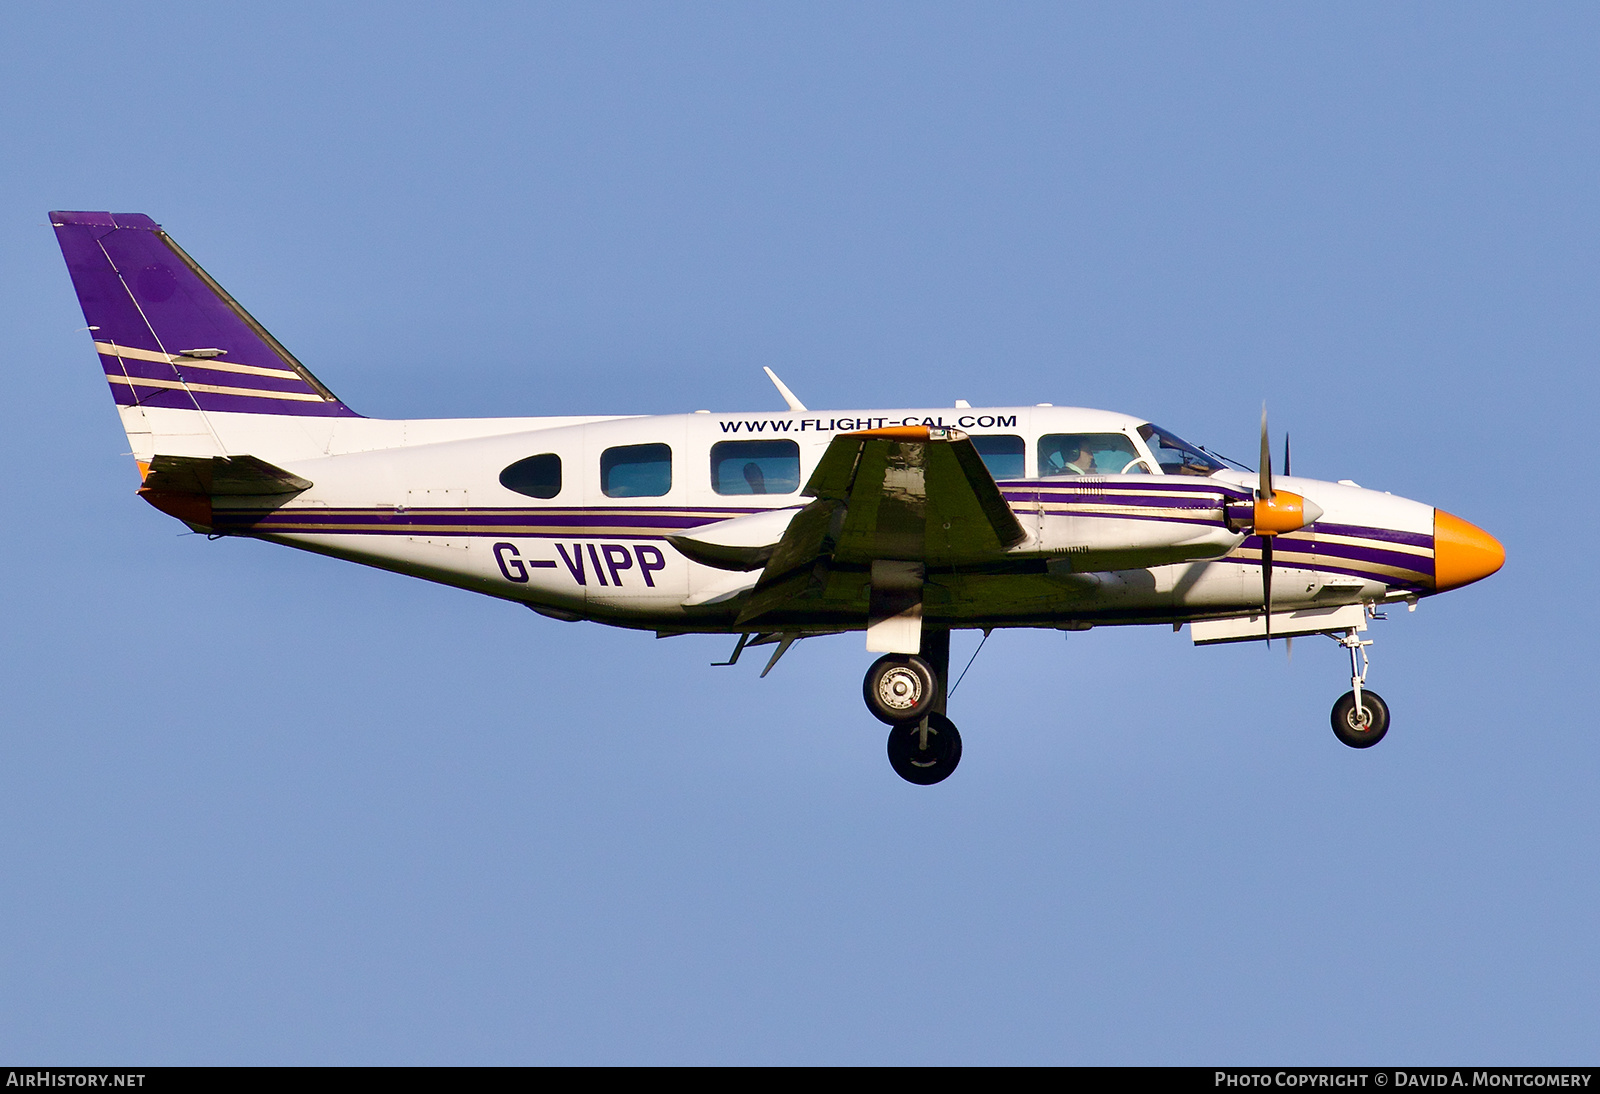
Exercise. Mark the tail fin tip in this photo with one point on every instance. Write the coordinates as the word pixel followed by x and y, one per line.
pixel 63 218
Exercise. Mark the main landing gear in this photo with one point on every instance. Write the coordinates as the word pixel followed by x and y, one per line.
pixel 900 688
pixel 908 692
pixel 1360 716
pixel 925 751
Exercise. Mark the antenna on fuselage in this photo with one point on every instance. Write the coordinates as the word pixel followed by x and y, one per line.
pixel 783 389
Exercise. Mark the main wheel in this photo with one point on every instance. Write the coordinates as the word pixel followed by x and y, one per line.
pixel 1364 731
pixel 925 751
pixel 899 688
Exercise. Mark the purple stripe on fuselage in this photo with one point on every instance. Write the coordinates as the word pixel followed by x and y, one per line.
pixel 1415 539
pixel 1119 497
pixel 1335 553
pixel 1160 518
pixel 1422 564
pixel 1158 484
pixel 1133 501
pixel 1390 580
pixel 1164 483
pixel 468 522
pixel 697 513
pixel 467 526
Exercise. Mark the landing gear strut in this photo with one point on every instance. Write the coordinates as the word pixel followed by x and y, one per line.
pixel 908 692
pixel 1360 716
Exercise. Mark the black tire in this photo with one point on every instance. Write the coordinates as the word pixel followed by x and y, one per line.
pixel 925 764
pixel 899 688
pixel 1350 730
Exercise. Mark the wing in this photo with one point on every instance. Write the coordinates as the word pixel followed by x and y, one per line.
pixel 910 494
pixel 914 494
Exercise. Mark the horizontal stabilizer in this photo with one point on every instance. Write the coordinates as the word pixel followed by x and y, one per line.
pixel 220 476
pixel 184 486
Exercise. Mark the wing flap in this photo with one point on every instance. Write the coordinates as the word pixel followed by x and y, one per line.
pixel 798 565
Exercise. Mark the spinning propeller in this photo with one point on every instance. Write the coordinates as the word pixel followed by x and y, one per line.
pixel 1276 511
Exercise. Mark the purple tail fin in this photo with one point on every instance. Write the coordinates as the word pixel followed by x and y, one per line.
pixel 171 337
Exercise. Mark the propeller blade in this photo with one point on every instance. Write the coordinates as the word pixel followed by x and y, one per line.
pixel 1288 648
pixel 1266 584
pixel 1266 494
pixel 1266 457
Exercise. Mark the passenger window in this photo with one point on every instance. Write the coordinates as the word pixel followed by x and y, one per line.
pixel 636 471
pixel 1089 454
pixel 755 467
pixel 536 476
pixel 1006 457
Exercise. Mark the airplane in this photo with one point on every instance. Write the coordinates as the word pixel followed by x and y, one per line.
pixel 765 527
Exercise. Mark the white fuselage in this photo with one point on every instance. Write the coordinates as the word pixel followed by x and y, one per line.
pixel 426 498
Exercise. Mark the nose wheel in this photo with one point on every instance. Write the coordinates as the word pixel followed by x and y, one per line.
pixel 1360 716
pixel 1361 728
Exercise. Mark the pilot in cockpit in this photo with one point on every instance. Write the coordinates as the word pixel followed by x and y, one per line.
pixel 1076 458
pixel 1089 454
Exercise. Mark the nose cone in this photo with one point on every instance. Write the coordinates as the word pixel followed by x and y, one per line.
pixel 1462 552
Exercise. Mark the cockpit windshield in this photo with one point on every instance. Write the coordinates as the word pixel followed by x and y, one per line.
pixel 1176 455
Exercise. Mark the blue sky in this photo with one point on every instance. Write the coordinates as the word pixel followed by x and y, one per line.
pixel 259 806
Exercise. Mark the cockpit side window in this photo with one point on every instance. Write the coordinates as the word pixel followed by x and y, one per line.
pixel 1005 456
pixel 1089 454
pixel 1176 455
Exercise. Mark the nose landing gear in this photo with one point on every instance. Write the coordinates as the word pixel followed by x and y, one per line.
pixel 1360 716
pixel 1364 727
pixel 908 692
